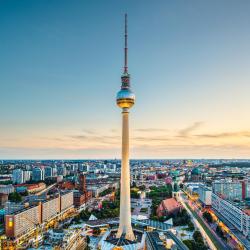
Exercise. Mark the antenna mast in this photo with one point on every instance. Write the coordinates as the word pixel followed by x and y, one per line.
pixel 126 46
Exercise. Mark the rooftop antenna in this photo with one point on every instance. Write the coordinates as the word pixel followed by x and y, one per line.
pixel 126 46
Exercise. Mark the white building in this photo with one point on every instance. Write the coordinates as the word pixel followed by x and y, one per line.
pixel 48 172
pixel 37 174
pixel 7 189
pixel 205 195
pixel 236 215
pixel 230 190
pixel 61 170
pixel 18 176
pixel 26 175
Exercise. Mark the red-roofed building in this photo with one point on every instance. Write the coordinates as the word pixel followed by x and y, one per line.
pixel 247 211
pixel 33 188
pixel 168 207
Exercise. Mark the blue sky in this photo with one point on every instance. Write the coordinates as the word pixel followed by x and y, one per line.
pixel 60 67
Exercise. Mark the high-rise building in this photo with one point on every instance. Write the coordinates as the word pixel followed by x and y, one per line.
pixel 26 175
pixel 205 195
pixel 84 168
pixel 48 172
pixel 125 99
pixel 230 190
pixel 61 170
pixel 18 176
pixel 233 212
pixel 37 174
pixel 82 183
pixel 20 219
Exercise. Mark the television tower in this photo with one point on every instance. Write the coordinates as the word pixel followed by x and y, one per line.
pixel 125 99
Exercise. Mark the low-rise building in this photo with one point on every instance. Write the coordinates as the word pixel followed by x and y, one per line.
pixel 98 188
pixel 7 189
pixel 167 207
pixel 3 199
pixel 161 241
pixel 34 188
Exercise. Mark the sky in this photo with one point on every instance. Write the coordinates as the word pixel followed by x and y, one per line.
pixel 60 68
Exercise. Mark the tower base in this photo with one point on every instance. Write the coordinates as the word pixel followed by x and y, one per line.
pixel 110 241
pixel 128 234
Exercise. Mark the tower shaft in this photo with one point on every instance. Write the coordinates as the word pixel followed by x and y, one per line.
pixel 125 204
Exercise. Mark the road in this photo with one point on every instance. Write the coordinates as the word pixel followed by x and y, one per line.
pixel 240 237
pixel 198 225
pixel 177 241
pixel 199 213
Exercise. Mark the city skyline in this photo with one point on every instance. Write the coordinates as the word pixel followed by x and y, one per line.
pixel 59 72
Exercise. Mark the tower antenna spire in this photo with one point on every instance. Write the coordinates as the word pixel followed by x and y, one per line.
pixel 126 45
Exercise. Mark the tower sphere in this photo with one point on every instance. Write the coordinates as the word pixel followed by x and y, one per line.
pixel 125 98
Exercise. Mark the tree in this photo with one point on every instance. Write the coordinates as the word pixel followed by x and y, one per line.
pixel 25 193
pixel 87 239
pixel 142 188
pixel 175 187
pixel 198 237
pixel 105 192
pixel 15 197
pixel 208 217
pixel 190 226
pixel 190 244
pixel 182 218
pixel 96 231
pixel 134 194
pixel 84 215
pixel 220 232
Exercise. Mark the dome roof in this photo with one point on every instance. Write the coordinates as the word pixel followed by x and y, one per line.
pixel 196 171
pixel 125 98
pixel 175 172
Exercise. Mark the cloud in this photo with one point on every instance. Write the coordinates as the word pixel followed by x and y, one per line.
pixel 151 138
pixel 151 130
pixel 89 131
pixel 192 151
pixel 146 142
pixel 225 134
pixel 96 139
pixel 188 130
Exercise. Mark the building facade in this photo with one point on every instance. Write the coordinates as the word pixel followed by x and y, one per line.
pixel 18 176
pixel 168 206
pixel 21 221
pixel 48 172
pixel 233 213
pixel 7 189
pixel 230 190
pixel 205 195
pixel 37 174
